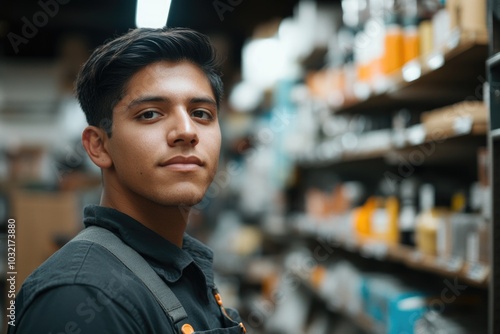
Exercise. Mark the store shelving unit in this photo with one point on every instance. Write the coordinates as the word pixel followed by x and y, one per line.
pixel 445 91
pixel 493 72
pixel 455 143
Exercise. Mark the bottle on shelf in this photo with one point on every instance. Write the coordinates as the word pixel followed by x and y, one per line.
pixel 393 40
pixel 481 203
pixel 428 220
pixel 477 247
pixel 462 224
pixel 425 44
pixel 467 17
pixel 411 38
pixel 441 29
pixel 408 212
pixel 445 229
pixel 377 219
pixel 384 220
pixel 362 218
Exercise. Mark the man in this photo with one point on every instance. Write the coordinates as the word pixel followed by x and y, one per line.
pixel 151 98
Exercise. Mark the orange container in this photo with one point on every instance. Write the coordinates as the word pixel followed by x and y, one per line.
pixel 393 49
pixel 363 216
pixel 411 44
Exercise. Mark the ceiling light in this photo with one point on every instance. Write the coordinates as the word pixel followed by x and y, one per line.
pixel 152 13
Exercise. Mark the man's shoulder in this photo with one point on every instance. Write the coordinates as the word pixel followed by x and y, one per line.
pixel 75 261
pixel 79 263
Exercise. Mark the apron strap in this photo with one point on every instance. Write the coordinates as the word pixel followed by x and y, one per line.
pixel 136 263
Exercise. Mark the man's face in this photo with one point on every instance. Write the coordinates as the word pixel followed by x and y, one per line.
pixel 166 138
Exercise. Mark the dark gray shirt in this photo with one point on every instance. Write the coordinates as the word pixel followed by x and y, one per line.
pixel 83 288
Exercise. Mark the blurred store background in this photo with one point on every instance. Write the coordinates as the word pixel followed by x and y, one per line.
pixel 355 187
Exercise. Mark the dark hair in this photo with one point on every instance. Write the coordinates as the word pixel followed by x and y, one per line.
pixel 101 82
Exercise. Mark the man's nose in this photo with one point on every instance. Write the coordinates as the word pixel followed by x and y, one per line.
pixel 183 130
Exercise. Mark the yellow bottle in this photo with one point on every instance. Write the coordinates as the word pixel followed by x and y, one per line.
pixel 428 221
pixel 425 38
pixel 384 220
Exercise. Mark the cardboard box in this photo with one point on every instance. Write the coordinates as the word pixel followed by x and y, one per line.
pixel 41 217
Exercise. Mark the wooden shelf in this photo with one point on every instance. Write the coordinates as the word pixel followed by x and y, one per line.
pixel 462 125
pixel 476 274
pixel 439 82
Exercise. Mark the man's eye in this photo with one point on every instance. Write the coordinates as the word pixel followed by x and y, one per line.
pixel 150 114
pixel 200 113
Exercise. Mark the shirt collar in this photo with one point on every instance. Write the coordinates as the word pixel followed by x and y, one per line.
pixel 166 257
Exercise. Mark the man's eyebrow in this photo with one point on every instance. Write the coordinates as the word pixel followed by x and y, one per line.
pixel 146 99
pixel 204 99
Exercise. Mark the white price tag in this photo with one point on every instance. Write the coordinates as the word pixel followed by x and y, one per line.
pixel 477 271
pixel 416 134
pixel 463 125
pixel 454 264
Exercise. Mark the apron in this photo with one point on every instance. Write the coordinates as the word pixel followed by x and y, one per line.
pixel 162 293
pixel 231 325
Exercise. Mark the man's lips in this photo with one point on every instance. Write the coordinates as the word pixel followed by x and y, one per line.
pixel 183 162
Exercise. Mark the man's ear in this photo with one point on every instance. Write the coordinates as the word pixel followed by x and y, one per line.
pixel 93 140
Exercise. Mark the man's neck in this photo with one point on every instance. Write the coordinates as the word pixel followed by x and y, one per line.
pixel 168 221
